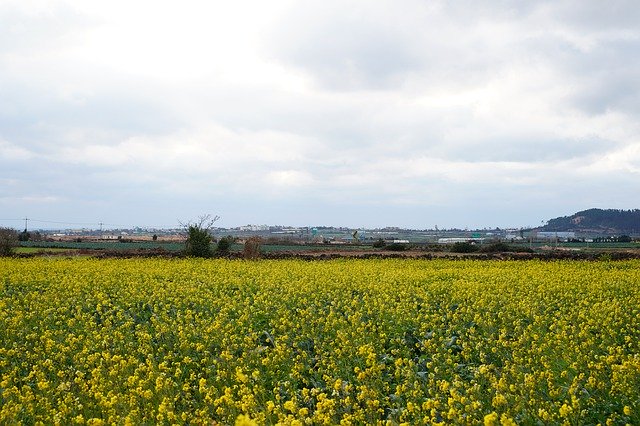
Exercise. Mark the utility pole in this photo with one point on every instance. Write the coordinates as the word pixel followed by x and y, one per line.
pixel 26 221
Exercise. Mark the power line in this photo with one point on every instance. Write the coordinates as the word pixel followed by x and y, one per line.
pixel 96 224
pixel 65 223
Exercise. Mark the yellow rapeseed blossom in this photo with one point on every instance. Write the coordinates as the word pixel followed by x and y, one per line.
pixel 145 341
pixel 244 420
pixel 491 419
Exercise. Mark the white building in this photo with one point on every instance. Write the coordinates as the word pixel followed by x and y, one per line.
pixel 551 235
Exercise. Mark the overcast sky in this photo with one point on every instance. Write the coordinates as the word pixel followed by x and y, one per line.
pixel 352 113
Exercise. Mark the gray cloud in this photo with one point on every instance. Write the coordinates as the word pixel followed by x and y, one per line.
pixel 597 16
pixel 352 55
pixel 338 112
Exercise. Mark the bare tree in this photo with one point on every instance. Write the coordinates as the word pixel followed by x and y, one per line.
pixel 199 237
pixel 252 248
pixel 8 241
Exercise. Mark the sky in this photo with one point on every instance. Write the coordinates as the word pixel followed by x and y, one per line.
pixel 409 113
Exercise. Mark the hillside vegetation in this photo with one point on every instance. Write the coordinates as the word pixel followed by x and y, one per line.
pixel 610 220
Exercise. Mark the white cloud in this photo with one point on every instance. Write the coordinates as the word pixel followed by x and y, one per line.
pixel 11 152
pixel 312 107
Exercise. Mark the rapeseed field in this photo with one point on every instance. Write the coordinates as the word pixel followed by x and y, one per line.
pixel 141 341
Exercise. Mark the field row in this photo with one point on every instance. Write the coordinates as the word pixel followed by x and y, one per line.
pixel 151 341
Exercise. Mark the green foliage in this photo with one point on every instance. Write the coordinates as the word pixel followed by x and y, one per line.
pixel 24 236
pixel 396 247
pixel 199 237
pixel 379 243
pixel 198 242
pixel 114 245
pixel 462 342
pixel 496 247
pixel 464 247
pixel 605 257
pixel 224 244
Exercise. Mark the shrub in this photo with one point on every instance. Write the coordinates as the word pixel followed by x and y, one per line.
pixel 251 248
pixel 198 242
pixel 199 238
pixel 224 244
pixel 379 243
pixel 496 247
pixel 464 247
pixel 434 247
pixel 8 241
pixel 396 247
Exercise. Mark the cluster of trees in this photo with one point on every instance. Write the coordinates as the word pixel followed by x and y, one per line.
pixel 200 239
pixel 615 239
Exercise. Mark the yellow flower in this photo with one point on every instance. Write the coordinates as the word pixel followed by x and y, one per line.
pixel 507 421
pixel 565 410
pixel 290 405
pixel 245 420
pixel 187 340
pixel 240 376
pixel 491 419
pixel 499 400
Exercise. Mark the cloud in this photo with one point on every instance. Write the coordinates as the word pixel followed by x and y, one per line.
pixel 35 199
pixel 400 113
pixel 346 48
pixel 10 152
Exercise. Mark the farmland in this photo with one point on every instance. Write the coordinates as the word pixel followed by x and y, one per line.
pixel 146 341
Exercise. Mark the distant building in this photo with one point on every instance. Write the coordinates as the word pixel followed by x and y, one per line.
pixel 253 228
pixel 551 235
pixel 513 237
pixel 452 240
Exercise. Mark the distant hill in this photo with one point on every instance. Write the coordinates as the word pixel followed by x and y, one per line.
pixel 608 221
